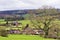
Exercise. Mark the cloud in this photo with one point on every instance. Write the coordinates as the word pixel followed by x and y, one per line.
pixel 27 4
pixel 14 4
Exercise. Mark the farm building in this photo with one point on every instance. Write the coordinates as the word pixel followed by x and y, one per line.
pixel 14 31
pixel 29 30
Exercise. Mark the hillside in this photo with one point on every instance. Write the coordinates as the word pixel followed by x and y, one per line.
pixel 22 12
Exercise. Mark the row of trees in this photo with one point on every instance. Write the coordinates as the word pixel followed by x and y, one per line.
pixel 13 18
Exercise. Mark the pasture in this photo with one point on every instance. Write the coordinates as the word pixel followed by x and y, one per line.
pixel 24 37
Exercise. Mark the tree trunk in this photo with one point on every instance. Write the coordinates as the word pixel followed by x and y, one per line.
pixel 46 34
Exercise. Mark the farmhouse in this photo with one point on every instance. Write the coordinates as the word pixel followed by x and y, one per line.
pixel 29 30
pixel 14 31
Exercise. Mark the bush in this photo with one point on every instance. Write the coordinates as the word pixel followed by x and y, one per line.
pixel 4 33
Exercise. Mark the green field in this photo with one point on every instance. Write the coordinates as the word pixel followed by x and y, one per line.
pixel 24 37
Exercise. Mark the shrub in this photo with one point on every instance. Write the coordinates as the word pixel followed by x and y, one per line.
pixel 3 33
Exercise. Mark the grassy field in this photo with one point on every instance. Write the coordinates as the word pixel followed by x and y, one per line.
pixel 24 37
pixel 20 21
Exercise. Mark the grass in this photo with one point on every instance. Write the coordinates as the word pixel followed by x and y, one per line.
pixel 24 22
pixel 20 21
pixel 24 37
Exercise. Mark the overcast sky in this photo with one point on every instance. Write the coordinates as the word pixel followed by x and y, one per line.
pixel 27 4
